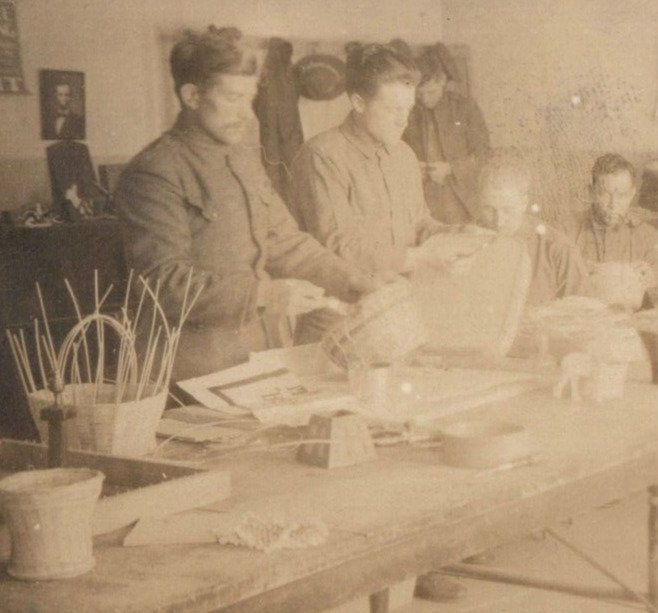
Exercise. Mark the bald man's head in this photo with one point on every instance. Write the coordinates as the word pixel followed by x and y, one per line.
pixel 504 194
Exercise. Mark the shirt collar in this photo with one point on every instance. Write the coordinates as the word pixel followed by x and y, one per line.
pixel 193 133
pixel 633 218
pixel 360 138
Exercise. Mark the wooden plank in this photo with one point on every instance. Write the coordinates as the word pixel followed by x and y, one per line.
pixel 118 470
pixel 120 510
pixel 190 527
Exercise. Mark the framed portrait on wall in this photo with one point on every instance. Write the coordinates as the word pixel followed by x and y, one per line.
pixel 62 103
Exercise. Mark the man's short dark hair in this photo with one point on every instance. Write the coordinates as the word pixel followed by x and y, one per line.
pixel 610 164
pixel 369 66
pixel 436 61
pixel 199 57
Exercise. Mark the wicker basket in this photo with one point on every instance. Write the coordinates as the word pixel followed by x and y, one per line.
pixel 125 428
pixel 49 514
pixel 101 424
pixel 383 327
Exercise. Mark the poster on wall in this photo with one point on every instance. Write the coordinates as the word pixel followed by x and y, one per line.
pixel 11 70
pixel 62 97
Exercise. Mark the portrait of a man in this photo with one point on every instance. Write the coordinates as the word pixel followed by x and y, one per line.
pixel 62 105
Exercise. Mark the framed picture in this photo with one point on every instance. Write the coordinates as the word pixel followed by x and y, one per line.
pixel 11 70
pixel 62 95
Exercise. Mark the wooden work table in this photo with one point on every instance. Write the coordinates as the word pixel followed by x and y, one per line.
pixel 395 517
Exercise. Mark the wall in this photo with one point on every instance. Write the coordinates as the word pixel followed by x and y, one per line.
pixel 566 79
pixel 116 43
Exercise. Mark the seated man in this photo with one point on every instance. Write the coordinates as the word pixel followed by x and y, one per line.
pixel 503 202
pixel 357 187
pixel 196 201
pixel 612 230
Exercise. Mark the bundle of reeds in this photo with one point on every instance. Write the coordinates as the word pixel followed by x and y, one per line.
pixel 119 394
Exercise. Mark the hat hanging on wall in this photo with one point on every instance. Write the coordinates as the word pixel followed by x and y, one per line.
pixel 320 76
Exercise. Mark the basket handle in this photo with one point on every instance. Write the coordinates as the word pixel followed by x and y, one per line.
pixel 81 328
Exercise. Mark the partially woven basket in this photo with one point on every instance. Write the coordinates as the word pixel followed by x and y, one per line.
pixel 618 284
pixel 49 514
pixel 383 326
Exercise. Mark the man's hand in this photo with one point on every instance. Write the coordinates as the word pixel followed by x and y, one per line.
pixel 437 171
pixel 360 283
pixel 296 296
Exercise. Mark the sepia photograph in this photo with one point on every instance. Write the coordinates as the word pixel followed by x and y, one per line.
pixel 342 306
pixel 62 95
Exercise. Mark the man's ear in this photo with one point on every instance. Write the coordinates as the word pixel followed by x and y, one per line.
pixel 358 103
pixel 189 95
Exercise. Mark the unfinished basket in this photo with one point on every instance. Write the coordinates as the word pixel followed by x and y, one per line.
pixel 384 326
pixel 617 284
pixel 124 428
pixel 117 390
pixel 49 515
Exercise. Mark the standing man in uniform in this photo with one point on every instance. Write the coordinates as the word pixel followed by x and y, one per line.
pixel 449 136
pixel 196 201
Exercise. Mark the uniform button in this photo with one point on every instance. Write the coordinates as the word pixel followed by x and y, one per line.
pixel 458 123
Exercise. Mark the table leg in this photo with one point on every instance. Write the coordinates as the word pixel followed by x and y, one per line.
pixel 653 545
pixel 379 602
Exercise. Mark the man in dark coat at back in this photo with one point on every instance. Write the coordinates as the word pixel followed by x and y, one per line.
pixel 449 136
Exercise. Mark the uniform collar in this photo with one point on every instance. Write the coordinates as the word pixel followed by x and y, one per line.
pixel 634 217
pixel 360 138
pixel 190 131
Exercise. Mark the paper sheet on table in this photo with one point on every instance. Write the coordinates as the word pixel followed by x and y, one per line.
pixel 265 388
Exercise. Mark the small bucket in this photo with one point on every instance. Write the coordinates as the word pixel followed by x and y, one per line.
pixel 49 514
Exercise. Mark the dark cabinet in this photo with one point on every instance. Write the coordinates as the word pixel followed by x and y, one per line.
pixel 48 255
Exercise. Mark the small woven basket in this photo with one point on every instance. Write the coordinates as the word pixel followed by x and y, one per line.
pixel 124 428
pixel 382 327
pixel 49 514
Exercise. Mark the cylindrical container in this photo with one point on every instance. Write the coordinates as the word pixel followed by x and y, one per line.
pixel 484 444
pixel 371 385
pixel 49 514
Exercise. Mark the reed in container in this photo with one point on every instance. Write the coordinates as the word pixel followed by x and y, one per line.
pixel 118 394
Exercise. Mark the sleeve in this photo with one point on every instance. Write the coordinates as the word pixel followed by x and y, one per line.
pixel 296 254
pixel 477 142
pixel 321 194
pixel 570 270
pixel 158 245
pixel 425 224
pixel 650 248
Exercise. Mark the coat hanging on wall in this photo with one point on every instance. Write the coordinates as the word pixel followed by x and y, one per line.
pixel 278 114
